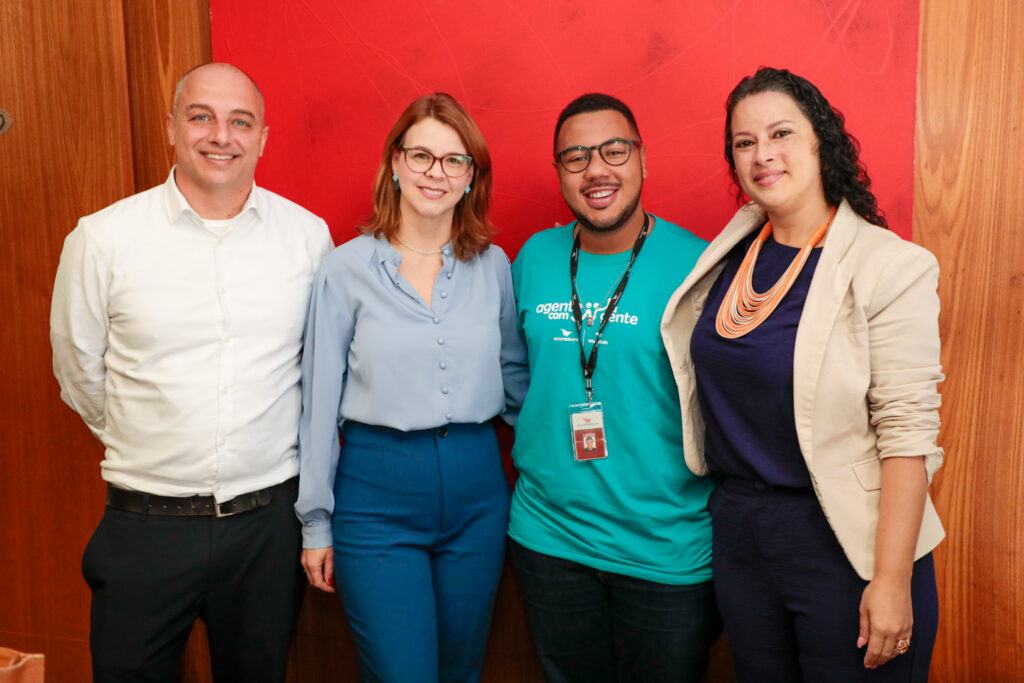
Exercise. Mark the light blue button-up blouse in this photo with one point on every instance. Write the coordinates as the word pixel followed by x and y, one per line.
pixel 376 353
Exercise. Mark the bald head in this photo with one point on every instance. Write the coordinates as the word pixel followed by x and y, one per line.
pixel 214 66
pixel 218 135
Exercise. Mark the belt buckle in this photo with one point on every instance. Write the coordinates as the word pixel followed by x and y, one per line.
pixel 217 508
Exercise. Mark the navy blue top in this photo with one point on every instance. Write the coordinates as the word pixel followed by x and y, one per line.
pixel 745 385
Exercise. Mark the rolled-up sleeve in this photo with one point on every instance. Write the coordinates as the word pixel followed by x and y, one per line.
pixel 903 333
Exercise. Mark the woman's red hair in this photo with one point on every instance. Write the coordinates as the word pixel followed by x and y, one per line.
pixel 471 224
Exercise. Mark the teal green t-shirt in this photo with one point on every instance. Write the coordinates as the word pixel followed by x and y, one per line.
pixel 639 512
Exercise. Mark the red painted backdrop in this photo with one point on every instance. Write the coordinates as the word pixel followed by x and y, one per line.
pixel 337 73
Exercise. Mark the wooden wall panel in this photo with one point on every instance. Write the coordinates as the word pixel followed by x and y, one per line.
pixel 969 213
pixel 163 40
pixel 67 154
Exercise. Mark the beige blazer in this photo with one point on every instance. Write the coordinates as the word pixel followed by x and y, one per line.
pixel 865 369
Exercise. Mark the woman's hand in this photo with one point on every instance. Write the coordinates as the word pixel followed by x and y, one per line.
pixel 886 617
pixel 886 608
pixel 319 566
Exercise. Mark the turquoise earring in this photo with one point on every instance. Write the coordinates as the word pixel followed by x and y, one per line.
pixel 394 177
pixel 468 188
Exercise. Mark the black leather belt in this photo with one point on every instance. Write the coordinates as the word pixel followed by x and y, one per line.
pixel 137 501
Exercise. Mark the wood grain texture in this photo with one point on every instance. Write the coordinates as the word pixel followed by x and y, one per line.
pixel 64 156
pixel 323 650
pixel 968 212
pixel 509 649
pixel 163 40
pixel 67 154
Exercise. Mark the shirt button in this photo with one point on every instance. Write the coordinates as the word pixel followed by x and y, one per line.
pixel 223 441
pixel 440 341
pixel 444 295
pixel 448 416
pixel 449 275
pixel 225 390
pixel 226 339
pixel 444 390
pixel 223 290
pixel 443 365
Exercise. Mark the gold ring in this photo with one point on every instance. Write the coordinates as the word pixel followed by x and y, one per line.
pixel 902 645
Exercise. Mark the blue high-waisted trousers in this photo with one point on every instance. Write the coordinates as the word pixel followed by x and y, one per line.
pixel 419 542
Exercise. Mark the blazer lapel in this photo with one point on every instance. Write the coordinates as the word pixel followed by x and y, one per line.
pixel 742 223
pixel 824 298
pixel 680 317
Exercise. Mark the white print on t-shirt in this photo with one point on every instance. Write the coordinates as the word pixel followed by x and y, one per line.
pixel 562 310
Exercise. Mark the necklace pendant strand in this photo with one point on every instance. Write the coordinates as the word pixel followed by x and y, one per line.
pixel 743 309
pixel 425 252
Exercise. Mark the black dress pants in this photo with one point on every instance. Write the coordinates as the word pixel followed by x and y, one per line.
pixel 790 598
pixel 151 576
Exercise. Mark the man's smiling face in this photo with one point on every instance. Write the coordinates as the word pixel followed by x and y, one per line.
pixel 217 131
pixel 602 197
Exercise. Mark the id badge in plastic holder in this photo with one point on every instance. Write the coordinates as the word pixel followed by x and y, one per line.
pixel 587 423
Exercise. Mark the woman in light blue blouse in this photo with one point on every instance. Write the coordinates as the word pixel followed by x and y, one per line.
pixel 411 348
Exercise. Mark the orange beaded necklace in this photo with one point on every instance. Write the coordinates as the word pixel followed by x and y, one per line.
pixel 743 309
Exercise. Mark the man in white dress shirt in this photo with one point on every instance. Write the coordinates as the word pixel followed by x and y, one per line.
pixel 176 328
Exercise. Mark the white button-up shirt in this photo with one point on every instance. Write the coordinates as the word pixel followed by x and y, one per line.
pixel 180 347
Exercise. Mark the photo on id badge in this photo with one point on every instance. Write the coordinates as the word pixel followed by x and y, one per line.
pixel 586 421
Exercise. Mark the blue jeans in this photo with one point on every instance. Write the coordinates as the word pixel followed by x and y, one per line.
pixel 593 626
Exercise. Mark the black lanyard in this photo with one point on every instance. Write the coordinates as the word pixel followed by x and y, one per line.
pixel 590 364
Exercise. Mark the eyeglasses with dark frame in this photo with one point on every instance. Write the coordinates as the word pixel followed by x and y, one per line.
pixel 614 152
pixel 420 160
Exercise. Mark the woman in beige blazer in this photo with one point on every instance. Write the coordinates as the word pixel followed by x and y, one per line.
pixel 806 350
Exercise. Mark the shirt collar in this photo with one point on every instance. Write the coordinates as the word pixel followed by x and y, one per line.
pixel 384 252
pixel 177 204
pixel 390 258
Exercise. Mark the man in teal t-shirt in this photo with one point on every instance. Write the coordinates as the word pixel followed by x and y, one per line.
pixel 611 538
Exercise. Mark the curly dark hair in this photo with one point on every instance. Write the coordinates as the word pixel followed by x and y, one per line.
pixel 842 173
